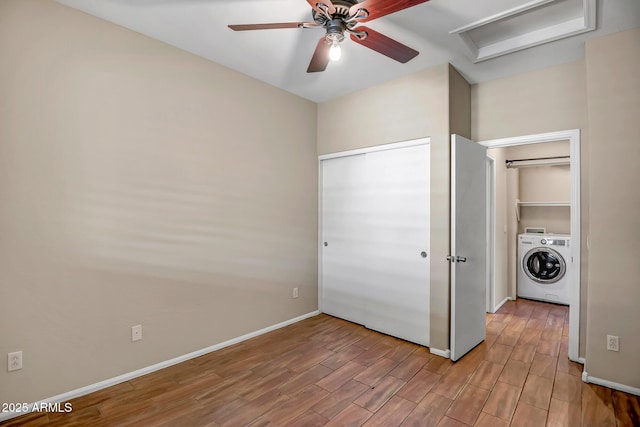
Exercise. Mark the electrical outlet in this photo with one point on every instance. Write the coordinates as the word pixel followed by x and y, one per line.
pixel 14 361
pixel 136 333
pixel 295 292
pixel 613 343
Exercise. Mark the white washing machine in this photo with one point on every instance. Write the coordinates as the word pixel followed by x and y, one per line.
pixel 543 267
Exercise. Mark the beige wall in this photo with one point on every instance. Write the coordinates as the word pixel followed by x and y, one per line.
pixel 459 104
pixel 140 184
pixel 411 107
pixel 546 100
pixel 543 184
pixel 556 219
pixel 415 106
pixel 613 67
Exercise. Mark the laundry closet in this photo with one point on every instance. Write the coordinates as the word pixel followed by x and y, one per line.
pixel 533 220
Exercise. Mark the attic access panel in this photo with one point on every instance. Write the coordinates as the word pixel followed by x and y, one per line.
pixel 528 25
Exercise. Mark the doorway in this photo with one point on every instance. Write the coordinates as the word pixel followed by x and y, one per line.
pixel 573 136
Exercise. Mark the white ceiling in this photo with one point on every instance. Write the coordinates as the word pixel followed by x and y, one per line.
pixel 280 57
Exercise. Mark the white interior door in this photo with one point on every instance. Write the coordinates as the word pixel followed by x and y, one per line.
pixel 397 243
pixel 343 263
pixel 468 245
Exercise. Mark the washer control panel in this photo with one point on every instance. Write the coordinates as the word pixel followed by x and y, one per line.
pixel 553 242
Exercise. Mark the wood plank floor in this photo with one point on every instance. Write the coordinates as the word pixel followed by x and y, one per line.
pixel 326 371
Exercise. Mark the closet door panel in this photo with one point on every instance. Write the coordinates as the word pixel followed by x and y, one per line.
pixel 343 261
pixel 396 224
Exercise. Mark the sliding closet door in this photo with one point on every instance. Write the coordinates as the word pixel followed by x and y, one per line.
pixel 397 242
pixel 375 240
pixel 343 258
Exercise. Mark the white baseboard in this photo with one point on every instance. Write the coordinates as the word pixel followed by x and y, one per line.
pixel 441 353
pixel 64 397
pixel 606 383
pixel 497 307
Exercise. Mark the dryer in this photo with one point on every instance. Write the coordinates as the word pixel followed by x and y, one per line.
pixel 543 267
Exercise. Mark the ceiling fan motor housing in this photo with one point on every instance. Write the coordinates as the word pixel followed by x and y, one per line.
pixel 335 30
pixel 337 25
pixel 342 11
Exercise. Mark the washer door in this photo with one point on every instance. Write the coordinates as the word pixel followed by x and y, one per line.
pixel 544 265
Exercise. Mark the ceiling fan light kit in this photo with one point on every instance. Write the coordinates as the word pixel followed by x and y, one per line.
pixel 340 16
pixel 335 52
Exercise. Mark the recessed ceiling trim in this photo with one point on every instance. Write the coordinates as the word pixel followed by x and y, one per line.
pixel 500 16
pixel 548 34
pixel 571 27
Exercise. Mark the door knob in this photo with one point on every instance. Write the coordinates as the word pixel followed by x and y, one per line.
pixel 461 259
pixel 450 258
pixel 423 254
pixel 326 244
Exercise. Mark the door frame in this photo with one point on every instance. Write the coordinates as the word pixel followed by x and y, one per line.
pixel 491 233
pixel 573 136
pixel 365 150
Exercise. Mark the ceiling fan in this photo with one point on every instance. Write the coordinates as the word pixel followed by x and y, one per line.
pixel 340 16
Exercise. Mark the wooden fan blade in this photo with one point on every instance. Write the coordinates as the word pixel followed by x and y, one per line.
pixel 378 8
pixel 273 26
pixel 384 45
pixel 314 5
pixel 320 58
